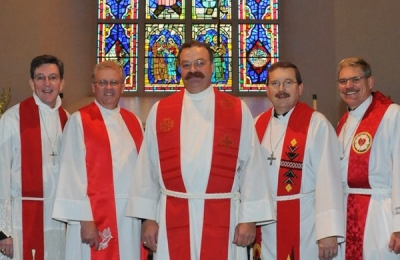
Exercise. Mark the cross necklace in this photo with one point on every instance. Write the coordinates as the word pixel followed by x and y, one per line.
pixel 272 158
pixel 52 144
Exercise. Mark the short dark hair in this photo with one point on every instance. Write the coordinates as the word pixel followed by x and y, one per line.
pixel 46 59
pixel 194 43
pixel 285 65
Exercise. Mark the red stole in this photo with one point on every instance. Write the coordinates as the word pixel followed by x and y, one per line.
pixel 358 171
pixel 227 129
pixel 289 181
pixel 32 177
pixel 100 187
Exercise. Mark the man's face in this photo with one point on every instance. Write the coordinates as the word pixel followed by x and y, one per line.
pixel 283 90
pixel 196 68
pixel 354 88
pixel 108 87
pixel 47 84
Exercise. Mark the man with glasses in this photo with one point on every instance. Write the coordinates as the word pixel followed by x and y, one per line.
pixel 30 137
pixel 369 135
pixel 99 150
pixel 302 155
pixel 200 184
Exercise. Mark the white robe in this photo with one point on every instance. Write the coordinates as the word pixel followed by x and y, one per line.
pixel 384 172
pixel 197 131
pixel 10 183
pixel 72 203
pixel 321 211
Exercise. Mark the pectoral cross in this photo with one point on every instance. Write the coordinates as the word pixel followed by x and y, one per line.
pixel 271 158
pixel 53 154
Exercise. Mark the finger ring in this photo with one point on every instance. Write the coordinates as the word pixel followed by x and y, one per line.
pixel 144 242
pixel 2 251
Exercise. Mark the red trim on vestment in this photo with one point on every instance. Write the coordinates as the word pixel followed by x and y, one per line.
pixel 100 187
pixel 227 127
pixel 290 178
pixel 357 177
pixel 32 177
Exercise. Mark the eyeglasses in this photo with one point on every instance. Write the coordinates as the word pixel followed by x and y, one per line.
pixel 286 83
pixel 187 65
pixel 104 83
pixel 40 78
pixel 354 80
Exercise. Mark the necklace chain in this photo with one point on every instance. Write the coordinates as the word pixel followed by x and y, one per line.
pixel 271 158
pixel 52 144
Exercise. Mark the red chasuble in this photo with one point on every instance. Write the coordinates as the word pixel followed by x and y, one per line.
pixel 100 176
pixel 32 177
pixel 227 129
pixel 289 181
pixel 358 171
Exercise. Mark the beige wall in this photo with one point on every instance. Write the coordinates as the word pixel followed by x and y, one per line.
pixel 315 35
pixel 31 28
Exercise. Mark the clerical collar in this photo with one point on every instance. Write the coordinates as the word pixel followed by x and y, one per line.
pixel 349 109
pixel 277 115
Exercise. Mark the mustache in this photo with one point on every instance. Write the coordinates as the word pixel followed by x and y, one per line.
pixel 196 74
pixel 350 89
pixel 282 94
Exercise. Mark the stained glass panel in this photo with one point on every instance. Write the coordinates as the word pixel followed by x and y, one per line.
pixel 221 44
pixel 118 9
pixel 258 49
pixel 165 9
pixel 161 50
pixel 258 10
pixel 208 9
pixel 119 42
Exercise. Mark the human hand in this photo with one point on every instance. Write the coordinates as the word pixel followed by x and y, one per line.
pixel 90 234
pixel 6 247
pixel 327 248
pixel 150 234
pixel 394 243
pixel 245 233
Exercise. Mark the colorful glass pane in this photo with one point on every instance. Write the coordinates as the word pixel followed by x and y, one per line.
pixel 208 9
pixel 161 50
pixel 165 9
pixel 118 9
pixel 258 10
pixel 221 44
pixel 119 42
pixel 258 49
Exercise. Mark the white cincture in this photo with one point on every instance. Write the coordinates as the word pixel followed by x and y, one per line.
pixel 293 197
pixel 371 191
pixel 234 196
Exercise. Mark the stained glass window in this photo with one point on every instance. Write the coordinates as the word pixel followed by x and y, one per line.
pixel 145 40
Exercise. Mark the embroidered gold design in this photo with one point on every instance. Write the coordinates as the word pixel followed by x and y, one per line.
pixel 362 142
pixel 288 188
pixel 166 124
pixel 227 141
pixel 293 142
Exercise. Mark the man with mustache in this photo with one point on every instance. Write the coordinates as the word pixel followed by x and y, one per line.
pixel 302 155
pixel 30 138
pixel 99 151
pixel 369 135
pixel 200 184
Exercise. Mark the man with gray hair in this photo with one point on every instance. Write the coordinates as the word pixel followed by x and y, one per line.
pixel 99 151
pixel 369 133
